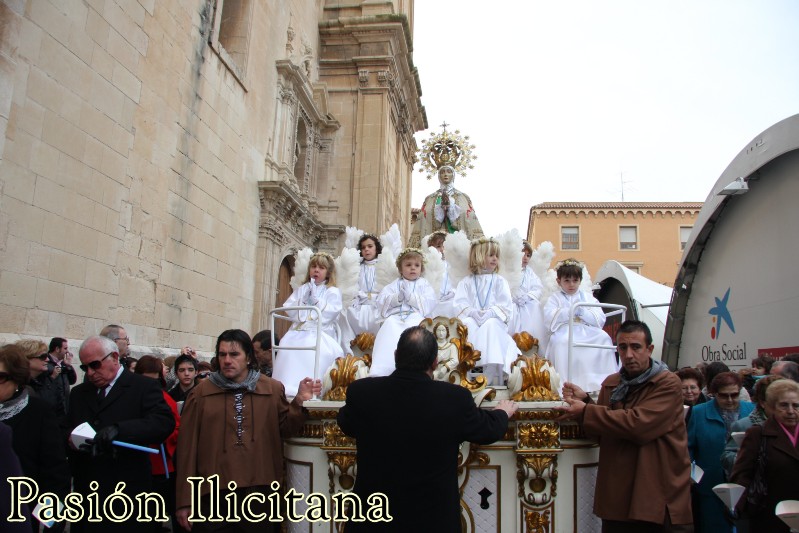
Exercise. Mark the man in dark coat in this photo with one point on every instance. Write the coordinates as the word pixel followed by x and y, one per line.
pixel 408 430
pixel 119 405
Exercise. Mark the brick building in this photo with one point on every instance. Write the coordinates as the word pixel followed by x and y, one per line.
pixel 646 237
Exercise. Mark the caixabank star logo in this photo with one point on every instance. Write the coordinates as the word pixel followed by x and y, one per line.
pixel 721 315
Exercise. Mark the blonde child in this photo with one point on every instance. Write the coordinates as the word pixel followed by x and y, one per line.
pixel 484 303
pixel 589 366
pixel 527 312
pixel 319 289
pixel 362 313
pixel 403 303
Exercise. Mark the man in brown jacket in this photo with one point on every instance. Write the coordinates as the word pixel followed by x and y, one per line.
pixel 231 429
pixel 643 481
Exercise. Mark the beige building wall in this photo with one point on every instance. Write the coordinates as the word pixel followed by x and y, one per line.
pixel 647 237
pixel 160 160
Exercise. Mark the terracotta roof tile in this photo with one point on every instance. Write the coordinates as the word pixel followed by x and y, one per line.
pixel 619 205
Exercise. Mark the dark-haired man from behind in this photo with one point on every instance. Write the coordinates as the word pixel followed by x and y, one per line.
pixel 262 343
pixel 408 429
pixel 643 480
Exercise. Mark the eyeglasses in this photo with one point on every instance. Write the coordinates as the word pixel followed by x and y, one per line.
pixel 95 365
pixel 42 357
pixel 4 376
pixel 728 396
pixel 126 339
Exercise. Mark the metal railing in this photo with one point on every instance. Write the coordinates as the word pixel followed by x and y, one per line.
pixel 617 310
pixel 312 310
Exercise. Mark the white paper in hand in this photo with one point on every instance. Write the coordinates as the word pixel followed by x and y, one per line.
pixel 81 434
pixel 696 472
pixel 788 511
pixel 729 493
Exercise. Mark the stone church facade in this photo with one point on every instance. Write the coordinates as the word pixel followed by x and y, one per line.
pixel 161 162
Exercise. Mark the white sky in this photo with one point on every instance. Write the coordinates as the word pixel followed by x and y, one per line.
pixel 561 98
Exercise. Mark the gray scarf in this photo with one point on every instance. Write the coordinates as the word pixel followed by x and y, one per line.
pixel 620 392
pixel 226 384
pixel 11 407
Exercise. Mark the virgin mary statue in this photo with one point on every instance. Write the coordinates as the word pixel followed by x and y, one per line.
pixel 446 209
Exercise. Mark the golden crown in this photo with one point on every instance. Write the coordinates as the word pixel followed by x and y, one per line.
pixel 446 149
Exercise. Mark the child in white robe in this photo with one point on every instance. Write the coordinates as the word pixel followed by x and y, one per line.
pixel 484 303
pixel 362 314
pixel 527 312
pixel 445 306
pixel 589 366
pixel 403 303
pixel 319 289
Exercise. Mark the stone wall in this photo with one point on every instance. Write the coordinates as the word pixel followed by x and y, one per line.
pixel 158 160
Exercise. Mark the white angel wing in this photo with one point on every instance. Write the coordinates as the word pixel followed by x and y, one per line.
pixel 301 267
pixel 456 252
pixel 586 284
pixel 542 258
pixel 386 267
pixel 348 266
pixel 550 283
pixel 434 268
pixel 392 240
pixel 353 234
pixel 510 257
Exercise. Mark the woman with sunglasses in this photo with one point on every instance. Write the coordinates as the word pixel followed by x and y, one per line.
pixel 708 430
pixel 36 438
pixel 41 383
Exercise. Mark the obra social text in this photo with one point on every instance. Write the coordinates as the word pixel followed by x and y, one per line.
pixel 150 506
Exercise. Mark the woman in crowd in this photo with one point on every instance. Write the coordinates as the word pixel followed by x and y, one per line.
pixel 757 417
pixel 708 431
pixel 36 438
pixel 692 383
pixel 768 462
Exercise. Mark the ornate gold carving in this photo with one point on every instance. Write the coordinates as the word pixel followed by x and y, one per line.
pixel 540 435
pixel 536 415
pixel 572 432
pixel 318 414
pixel 311 431
pixel 536 473
pixel 473 457
pixel 336 438
pixel 364 342
pixel 345 371
pixel 341 471
pixel 535 377
pixel 536 521
pixel 467 355
pixel 510 433
pixel 524 341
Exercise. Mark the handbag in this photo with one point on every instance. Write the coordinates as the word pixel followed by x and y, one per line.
pixel 757 490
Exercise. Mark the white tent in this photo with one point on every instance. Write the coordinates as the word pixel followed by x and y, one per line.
pixel 646 300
